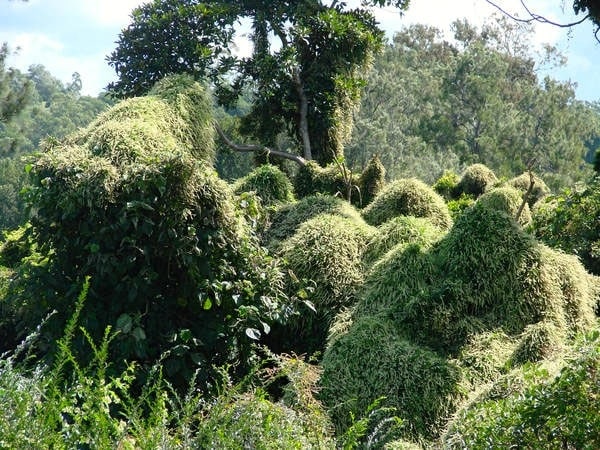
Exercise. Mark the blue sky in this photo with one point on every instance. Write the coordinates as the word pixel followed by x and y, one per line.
pixel 70 36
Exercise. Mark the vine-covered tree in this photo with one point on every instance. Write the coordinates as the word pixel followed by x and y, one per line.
pixel 306 70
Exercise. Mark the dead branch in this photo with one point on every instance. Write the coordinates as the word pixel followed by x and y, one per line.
pixel 257 148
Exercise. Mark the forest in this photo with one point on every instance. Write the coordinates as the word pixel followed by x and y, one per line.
pixel 338 241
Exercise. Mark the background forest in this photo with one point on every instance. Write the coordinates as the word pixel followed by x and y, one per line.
pixel 333 242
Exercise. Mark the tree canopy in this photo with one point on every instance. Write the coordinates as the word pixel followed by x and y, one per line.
pixel 305 73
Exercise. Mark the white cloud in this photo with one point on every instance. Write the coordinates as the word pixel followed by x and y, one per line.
pixel 35 48
pixel 109 12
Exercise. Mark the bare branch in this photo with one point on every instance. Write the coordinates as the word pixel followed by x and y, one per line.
pixel 533 17
pixel 257 148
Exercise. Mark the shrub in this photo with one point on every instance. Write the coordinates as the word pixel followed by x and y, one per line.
pixel 408 197
pixel 328 250
pixel 475 180
pixel 16 246
pixel 568 221
pixel 548 412
pixel 373 360
pixel 287 218
pixel 484 297
pixel 508 200
pixel 458 205
pixel 540 189
pixel 253 421
pixel 446 185
pixel 313 179
pixel 270 184
pixel 372 180
pixel 174 266
pixel 400 230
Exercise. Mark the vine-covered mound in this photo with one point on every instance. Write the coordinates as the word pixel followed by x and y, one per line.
pixel 429 305
pixel 508 200
pixel 289 217
pixel 475 180
pixel 522 183
pixel 326 250
pixel 172 262
pixel 270 184
pixel 408 197
pixel 401 230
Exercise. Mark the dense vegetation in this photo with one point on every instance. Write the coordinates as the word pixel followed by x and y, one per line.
pixel 418 287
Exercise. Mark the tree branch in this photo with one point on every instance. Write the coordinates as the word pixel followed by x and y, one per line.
pixel 260 148
pixel 536 17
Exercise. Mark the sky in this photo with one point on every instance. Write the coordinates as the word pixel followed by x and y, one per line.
pixel 69 36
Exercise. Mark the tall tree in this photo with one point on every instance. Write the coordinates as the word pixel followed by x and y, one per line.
pixel 306 70
pixel 433 105
pixel 14 92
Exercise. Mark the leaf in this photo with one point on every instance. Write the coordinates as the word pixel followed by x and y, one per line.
pixel 253 333
pixel 207 304
pixel 266 327
pixel 139 334
pixel 124 323
pixel 310 305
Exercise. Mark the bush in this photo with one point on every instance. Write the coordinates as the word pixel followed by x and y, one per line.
pixel 446 185
pixel 372 180
pixel 328 250
pixel 548 412
pixel 287 218
pixel 373 360
pixel 568 221
pixel 540 189
pixel 475 180
pixel 485 297
pixel 408 197
pixel 508 200
pixel 313 179
pixel 400 230
pixel 174 266
pixel 270 184
pixel 253 421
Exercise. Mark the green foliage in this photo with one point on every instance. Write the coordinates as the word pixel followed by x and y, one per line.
pixel 287 218
pixel 457 206
pixel 484 298
pixel 446 185
pixel 253 421
pixel 54 109
pixel 328 250
pixel 435 102
pixel 475 180
pixel 14 92
pixel 401 230
pixel 372 180
pixel 408 197
pixel 174 266
pixel 548 412
pixel 568 221
pixel 373 360
pixel 507 200
pixel 309 93
pixel 270 184
pixel 16 246
pixel 312 179
pixel 540 189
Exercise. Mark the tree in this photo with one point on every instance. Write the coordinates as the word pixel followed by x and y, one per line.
pixel 432 105
pixel 14 92
pixel 306 70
